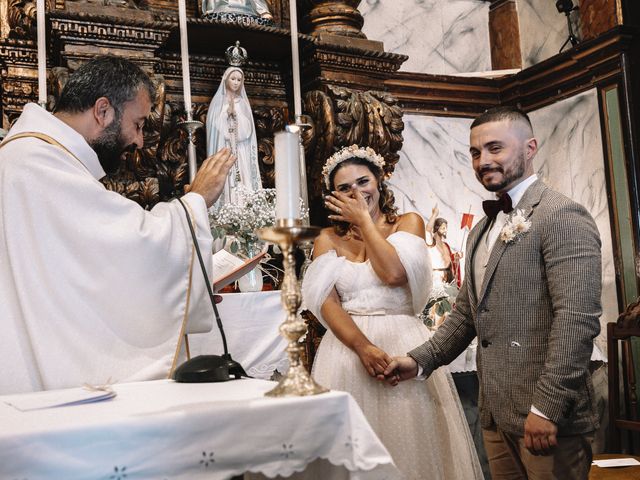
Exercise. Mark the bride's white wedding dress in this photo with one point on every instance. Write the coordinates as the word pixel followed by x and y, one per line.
pixel 420 422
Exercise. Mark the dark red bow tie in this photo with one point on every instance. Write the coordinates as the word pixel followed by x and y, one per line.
pixel 502 204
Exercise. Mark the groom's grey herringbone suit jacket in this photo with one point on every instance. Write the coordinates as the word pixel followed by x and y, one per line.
pixel 535 317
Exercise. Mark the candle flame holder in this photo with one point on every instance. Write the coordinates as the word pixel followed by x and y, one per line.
pixel 191 126
pixel 297 381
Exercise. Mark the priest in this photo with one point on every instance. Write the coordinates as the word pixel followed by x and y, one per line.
pixel 94 288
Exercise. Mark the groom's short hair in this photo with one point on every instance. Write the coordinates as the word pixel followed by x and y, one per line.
pixel 498 114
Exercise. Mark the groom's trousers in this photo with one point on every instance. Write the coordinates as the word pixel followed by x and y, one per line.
pixel 509 459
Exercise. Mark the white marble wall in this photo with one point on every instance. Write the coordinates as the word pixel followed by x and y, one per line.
pixel 435 168
pixel 542 30
pixel 439 36
pixel 452 36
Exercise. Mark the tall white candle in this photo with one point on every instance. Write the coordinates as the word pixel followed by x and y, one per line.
pixel 184 52
pixel 295 59
pixel 287 151
pixel 42 53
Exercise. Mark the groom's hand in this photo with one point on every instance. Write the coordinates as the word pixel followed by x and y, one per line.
pixel 540 435
pixel 398 370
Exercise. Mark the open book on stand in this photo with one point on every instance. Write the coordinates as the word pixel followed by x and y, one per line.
pixel 228 268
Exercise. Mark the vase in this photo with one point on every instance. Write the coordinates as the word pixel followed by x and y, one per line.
pixel 252 281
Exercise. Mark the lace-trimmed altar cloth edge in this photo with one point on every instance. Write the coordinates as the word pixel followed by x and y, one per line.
pixel 276 431
pixel 326 270
pixel 325 468
pixel 365 463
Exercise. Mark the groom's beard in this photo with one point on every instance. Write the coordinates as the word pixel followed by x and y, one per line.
pixel 508 176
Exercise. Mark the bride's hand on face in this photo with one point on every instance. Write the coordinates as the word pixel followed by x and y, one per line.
pixel 375 361
pixel 348 207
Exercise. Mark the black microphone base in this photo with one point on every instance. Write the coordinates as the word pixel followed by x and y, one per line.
pixel 209 368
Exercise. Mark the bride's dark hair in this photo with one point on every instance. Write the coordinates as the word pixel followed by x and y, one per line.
pixel 386 201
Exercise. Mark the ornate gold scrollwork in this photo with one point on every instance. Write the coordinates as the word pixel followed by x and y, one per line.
pixel 369 118
pixel 21 17
pixel 320 139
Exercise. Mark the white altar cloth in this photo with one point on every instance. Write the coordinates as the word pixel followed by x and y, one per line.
pixel 166 430
pixel 251 322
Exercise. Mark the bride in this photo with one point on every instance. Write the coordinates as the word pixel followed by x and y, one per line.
pixel 370 277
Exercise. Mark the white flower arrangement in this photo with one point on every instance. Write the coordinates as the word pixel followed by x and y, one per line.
pixel 252 211
pixel 516 226
pixel 366 153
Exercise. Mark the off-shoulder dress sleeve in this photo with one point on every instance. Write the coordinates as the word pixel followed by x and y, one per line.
pixel 320 278
pixel 414 256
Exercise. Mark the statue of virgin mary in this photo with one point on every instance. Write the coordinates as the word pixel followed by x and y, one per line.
pixel 230 124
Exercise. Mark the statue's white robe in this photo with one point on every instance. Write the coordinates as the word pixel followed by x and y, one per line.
pixel 92 286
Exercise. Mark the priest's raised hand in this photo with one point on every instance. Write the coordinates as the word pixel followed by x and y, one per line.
pixel 210 179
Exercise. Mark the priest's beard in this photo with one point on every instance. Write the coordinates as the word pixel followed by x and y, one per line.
pixel 110 146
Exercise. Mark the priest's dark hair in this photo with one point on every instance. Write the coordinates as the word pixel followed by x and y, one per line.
pixel 498 114
pixel 115 78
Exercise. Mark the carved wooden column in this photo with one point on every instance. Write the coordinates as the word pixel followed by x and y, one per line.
pixel 18 57
pixel 504 34
pixel 334 17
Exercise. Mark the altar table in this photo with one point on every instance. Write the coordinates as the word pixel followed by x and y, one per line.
pixel 166 430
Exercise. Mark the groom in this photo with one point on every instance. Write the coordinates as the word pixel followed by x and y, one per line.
pixel 531 295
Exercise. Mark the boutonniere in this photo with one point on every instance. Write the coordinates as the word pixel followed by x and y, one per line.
pixel 516 226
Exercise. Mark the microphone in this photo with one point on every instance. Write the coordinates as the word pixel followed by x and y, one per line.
pixel 208 368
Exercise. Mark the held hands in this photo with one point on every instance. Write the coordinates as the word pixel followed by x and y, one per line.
pixel 348 207
pixel 209 180
pixel 374 360
pixel 399 370
pixel 539 435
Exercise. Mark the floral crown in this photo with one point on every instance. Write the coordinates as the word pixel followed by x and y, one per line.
pixel 365 153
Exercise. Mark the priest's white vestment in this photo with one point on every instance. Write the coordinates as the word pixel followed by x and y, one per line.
pixel 93 286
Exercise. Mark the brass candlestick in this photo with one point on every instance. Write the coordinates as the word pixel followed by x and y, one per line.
pixel 297 382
